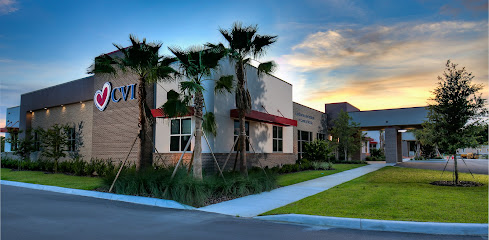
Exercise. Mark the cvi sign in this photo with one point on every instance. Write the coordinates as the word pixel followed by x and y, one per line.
pixel 101 97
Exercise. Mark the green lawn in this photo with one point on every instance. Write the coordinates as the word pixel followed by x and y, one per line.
pixel 297 177
pixel 404 194
pixel 60 180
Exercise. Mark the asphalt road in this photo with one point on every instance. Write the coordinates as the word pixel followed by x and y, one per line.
pixel 479 166
pixel 35 214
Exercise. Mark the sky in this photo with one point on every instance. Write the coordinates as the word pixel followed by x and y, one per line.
pixel 374 54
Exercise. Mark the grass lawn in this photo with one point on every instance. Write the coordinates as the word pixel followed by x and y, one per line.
pixel 297 177
pixel 403 194
pixel 60 180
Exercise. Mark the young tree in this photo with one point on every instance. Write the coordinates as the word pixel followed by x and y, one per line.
pixel 318 150
pixel 195 64
pixel 2 142
pixel 455 117
pixel 143 60
pixel 347 133
pixel 54 142
pixel 243 44
pixel 23 146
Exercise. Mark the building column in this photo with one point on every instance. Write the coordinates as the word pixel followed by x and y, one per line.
pixel 393 145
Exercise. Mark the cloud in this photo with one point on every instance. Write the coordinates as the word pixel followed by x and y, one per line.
pixel 8 6
pixel 385 66
pixel 456 7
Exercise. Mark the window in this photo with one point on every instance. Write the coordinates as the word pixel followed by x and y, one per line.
pixel 277 139
pixel 15 138
pixel 37 141
pixel 181 130
pixel 373 146
pixel 236 134
pixel 302 137
pixel 71 140
pixel 321 136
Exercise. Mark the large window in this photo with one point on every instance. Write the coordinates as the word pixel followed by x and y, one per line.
pixel 37 141
pixel 14 137
pixel 321 136
pixel 302 137
pixel 71 139
pixel 236 134
pixel 278 140
pixel 181 130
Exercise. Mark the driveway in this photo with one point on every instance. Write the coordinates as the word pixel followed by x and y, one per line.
pixel 35 214
pixel 479 166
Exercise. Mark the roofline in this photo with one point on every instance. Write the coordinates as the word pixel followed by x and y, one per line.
pixel 13 107
pixel 389 109
pixel 42 89
pixel 308 107
pixel 272 75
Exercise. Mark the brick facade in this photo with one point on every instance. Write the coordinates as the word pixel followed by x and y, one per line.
pixel 71 114
pixel 116 128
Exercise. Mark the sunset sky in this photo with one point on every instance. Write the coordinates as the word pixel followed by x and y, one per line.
pixel 374 54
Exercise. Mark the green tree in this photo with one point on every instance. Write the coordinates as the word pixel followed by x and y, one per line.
pixel 195 65
pixel 23 146
pixel 2 142
pixel 244 44
pixel 455 117
pixel 54 142
pixel 143 60
pixel 318 150
pixel 347 133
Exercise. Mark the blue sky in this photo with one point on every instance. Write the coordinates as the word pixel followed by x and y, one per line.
pixel 373 53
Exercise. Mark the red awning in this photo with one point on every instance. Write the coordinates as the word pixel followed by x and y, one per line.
pixel 265 117
pixel 373 142
pixel 158 113
pixel 7 129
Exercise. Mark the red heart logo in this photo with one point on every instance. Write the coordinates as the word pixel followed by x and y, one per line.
pixel 101 98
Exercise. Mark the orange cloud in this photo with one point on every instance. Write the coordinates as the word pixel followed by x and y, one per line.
pixel 384 66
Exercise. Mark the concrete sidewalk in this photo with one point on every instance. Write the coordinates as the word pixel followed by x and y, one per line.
pixel 253 205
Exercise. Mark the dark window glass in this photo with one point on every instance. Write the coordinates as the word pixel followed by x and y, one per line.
pixel 185 139
pixel 186 126
pixel 174 143
pixel 175 126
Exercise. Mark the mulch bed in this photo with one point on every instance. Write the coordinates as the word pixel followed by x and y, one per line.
pixel 214 200
pixel 459 184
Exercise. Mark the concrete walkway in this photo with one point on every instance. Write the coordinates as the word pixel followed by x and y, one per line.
pixel 254 205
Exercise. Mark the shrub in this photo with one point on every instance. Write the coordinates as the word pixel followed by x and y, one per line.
pixel 317 150
pixel 186 189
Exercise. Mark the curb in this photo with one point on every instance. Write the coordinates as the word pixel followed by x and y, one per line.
pixel 102 195
pixel 477 229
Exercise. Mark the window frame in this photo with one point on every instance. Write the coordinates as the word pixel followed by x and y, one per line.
pixel 300 142
pixel 277 138
pixel 180 135
pixel 71 141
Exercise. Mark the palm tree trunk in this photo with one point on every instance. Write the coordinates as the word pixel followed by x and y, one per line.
pixel 243 104
pixel 197 167
pixel 142 123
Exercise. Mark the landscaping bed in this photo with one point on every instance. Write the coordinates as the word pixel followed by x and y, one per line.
pixel 403 194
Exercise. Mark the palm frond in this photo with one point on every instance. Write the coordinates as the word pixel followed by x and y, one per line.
pixel 209 123
pixel 191 87
pixel 260 43
pixel 266 67
pixel 224 84
pixel 175 106
pixel 103 64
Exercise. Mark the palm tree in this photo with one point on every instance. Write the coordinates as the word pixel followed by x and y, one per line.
pixel 244 44
pixel 196 64
pixel 143 60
